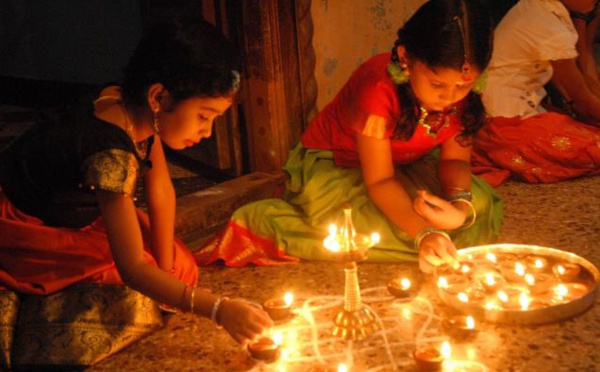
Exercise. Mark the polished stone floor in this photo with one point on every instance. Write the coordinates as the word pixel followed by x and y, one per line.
pixel 565 216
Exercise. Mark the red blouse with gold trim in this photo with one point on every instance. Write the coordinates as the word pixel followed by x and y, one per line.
pixel 368 104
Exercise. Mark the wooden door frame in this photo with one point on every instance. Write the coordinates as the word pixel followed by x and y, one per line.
pixel 280 90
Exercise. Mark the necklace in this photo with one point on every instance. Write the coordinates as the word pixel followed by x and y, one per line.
pixel 435 122
pixel 140 147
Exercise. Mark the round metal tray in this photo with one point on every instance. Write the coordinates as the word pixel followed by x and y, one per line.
pixel 589 276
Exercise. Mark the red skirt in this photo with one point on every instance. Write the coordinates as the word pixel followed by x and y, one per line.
pixel 548 147
pixel 40 259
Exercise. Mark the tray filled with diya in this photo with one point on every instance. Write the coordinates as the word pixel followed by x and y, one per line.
pixel 518 284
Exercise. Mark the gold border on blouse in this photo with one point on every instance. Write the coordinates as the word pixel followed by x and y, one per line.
pixel 375 127
pixel 111 170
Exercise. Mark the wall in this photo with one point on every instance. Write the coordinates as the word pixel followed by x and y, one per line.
pixel 74 41
pixel 346 33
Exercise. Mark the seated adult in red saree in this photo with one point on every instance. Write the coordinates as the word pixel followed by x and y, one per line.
pixel 536 43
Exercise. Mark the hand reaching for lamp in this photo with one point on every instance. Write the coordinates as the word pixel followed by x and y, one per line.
pixel 435 249
pixel 243 321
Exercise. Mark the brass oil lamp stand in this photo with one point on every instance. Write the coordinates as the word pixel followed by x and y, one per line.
pixel 354 321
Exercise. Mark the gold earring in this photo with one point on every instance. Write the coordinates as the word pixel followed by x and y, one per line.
pixel 156 123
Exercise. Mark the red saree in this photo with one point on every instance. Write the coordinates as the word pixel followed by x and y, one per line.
pixel 39 259
pixel 548 147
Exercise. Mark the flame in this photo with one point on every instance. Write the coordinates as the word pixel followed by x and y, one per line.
pixel 406 313
pixel 529 279
pixel 331 244
pixel 446 351
pixel 502 296
pixel 520 268
pixel 490 305
pixel 561 290
pixel 561 269
pixel 465 269
pixel 524 300
pixel 277 337
pixel 470 322
pixel 462 296
pixel 489 279
pixel 375 238
pixel 538 263
pixel 491 257
pixel 339 239
pixel 442 282
pixel 332 230
pixel 405 283
pixel 342 368
pixel 288 298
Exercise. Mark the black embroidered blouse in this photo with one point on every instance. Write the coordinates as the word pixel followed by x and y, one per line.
pixel 51 170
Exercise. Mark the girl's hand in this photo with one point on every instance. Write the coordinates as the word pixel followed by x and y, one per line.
pixel 440 213
pixel 243 321
pixel 434 250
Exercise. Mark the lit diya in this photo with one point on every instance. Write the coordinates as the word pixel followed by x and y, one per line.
pixel 565 292
pixel 536 263
pixel 566 271
pixel 279 308
pixel 428 359
pixel 511 298
pixel 539 283
pixel 265 349
pixel 460 327
pixel 491 281
pixel 513 271
pixel 453 283
pixel 401 288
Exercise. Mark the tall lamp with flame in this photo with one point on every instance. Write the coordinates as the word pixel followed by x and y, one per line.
pixel 354 321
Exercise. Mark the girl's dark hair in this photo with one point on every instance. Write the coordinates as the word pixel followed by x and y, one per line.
pixel 433 36
pixel 190 57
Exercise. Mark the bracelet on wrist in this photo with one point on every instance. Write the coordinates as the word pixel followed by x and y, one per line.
pixel 192 295
pixel 215 310
pixel 471 216
pixel 427 231
pixel 462 195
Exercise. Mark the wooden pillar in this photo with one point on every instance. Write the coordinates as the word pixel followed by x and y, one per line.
pixel 279 91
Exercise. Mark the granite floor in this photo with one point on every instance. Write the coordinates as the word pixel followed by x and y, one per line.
pixel 562 215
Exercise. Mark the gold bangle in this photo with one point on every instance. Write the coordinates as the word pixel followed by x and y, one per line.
pixel 472 214
pixel 192 299
pixel 427 231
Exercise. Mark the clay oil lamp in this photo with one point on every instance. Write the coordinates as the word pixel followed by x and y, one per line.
pixel 279 308
pixel 491 281
pixel 539 283
pixel 566 271
pixel 460 327
pixel 536 263
pixel 266 349
pixel 453 283
pixel 401 288
pixel 429 358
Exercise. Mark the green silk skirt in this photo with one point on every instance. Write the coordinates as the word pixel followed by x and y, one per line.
pixel 316 193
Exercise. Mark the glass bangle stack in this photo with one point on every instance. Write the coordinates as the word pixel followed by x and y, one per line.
pixel 518 284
